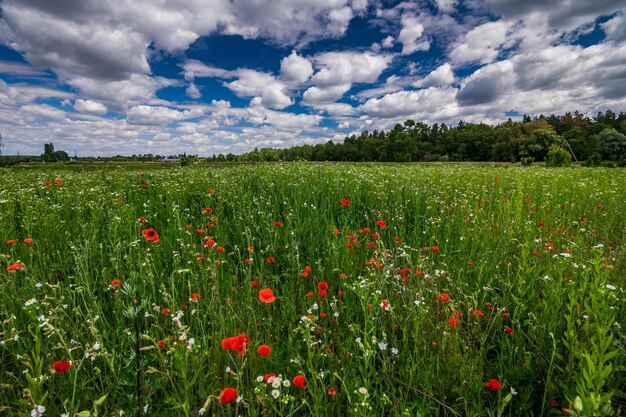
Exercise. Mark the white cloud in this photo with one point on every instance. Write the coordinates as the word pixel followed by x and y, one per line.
pixel 339 19
pixel 615 28
pixel 41 111
pixel 411 32
pixel 158 115
pixel 446 6
pixel 329 94
pixel 295 68
pixel 441 76
pixel 427 104
pixel 335 109
pixel 88 106
pixel 562 15
pixel 480 44
pixel 121 94
pixel 17 68
pixel 251 83
pixel 194 68
pixel 487 84
pixel 348 67
pixel 387 42
pixel 193 91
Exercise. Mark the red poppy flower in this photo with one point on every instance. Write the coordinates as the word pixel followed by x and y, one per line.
pixel 165 311
pixel 435 248
pixel 141 219
pixel 201 258
pixel 151 235
pixel 477 313
pixel 322 293
pixel 322 285
pixel 116 282
pixel 309 294
pixel 254 283
pixel 28 240
pixel 331 391
pixel 267 377
pixel 11 242
pixel 493 385
pixel 15 267
pixel 508 330
pixel 444 298
pixel 299 381
pixel 47 183
pixel 209 242
pixel 61 366
pixel 452 321
pixel 228 395
pixel 162 344
pixel 266 296
pixel 208 211
pixel 195 296
pixel 346 203
pixel 264 350
pixel 227 342
pixel 381 224
pixel 58 181
pixel 270 260
pixel 277 224
pixel 220 249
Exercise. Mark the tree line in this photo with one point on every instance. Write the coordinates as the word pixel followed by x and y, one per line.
pixel 585 139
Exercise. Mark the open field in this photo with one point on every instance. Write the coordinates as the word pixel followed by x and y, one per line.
pixel 417 290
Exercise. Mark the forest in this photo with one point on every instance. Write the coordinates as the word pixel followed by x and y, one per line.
pixel 587 140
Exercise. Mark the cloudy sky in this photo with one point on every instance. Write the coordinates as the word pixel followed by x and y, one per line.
pixel 216 76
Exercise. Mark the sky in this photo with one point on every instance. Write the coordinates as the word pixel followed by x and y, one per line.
pixel 206 77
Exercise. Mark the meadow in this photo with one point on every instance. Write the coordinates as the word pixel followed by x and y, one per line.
pixel 312 289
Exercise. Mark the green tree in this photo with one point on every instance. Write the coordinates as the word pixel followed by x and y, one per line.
pixel 611 145
pixel 507 139
pixel 558 157
pixel 538 143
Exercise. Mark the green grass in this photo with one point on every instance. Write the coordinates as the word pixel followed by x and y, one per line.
pixel 538 251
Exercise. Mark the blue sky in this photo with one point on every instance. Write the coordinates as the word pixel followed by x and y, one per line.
pixel 218 76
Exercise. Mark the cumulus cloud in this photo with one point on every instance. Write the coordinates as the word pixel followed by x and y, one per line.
pixel 41 111
pixel 138 88
pixel 328 94
pixel 480 44
pixel 441 76
pixel 251 83
pixel 615 28
pixel 158 115
pixel 295 68
pixel 343 67
pixel 446 6
pixel 88 106
pixel 193 91
pixel 487 84
pixel 412 30
pixel 565 15
pixel 427 104
pixel 387 42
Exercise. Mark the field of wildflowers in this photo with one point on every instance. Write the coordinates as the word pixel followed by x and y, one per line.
pixel 312 289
